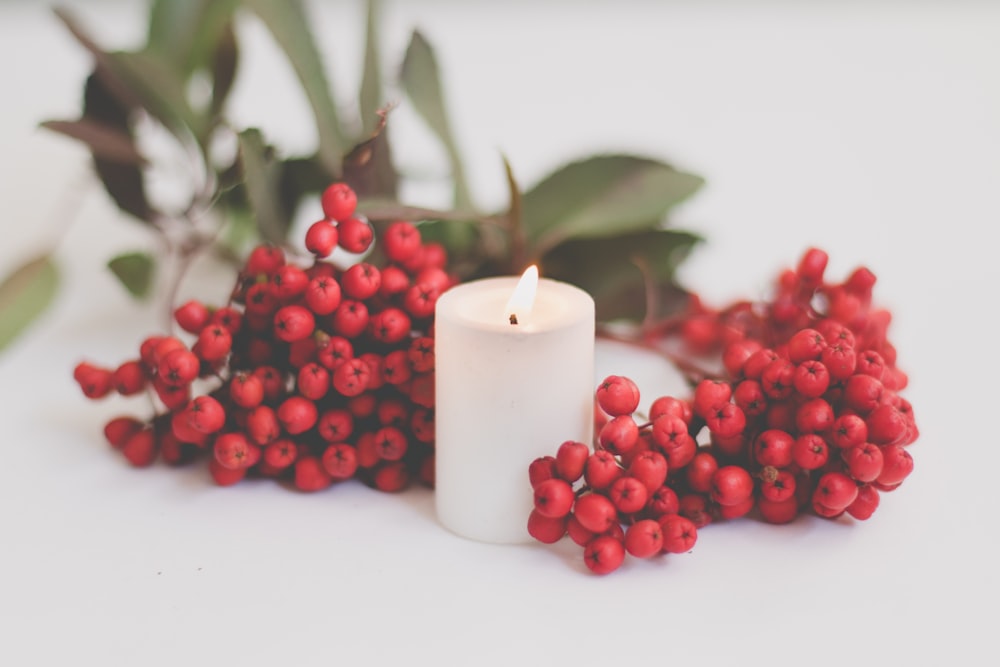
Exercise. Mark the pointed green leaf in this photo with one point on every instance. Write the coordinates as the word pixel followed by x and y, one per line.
pixel 186 33
pixel 289 25
pixel 422 82
pixel 261 178
pixel 24 295
pixel 135 272
pixel 371 77
pixel 602 196
pixel 626 274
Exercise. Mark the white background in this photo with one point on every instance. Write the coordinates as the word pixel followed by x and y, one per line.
pixel 869 129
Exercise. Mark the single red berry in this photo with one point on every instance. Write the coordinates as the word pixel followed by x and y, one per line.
pixel 736 355
pixel 422 390
pixel 580 535
pixel 628 495
pixel 351 377
pixel 731 485
pixel 897 464
pixel 355 235
pixel 604 555
pixel 173 397
pixel 434 277
pixel 650 468
pixel 420 299
pixel 778 512
pixel 814 416
pixel 421 354
pixel 340 461
pixel 601 470
pixel 323 295
pixel 336 425
pixel 644 538
pixel 835 491
pixel 778 379
pixel 749 395
pixel 595 512
pixel 184 432
pixel 541 469
pixel 871 363
pixel 297 414
pixel 264 259
pixel 179 367
pixel 887 425
pixel 310 475
pixel 670 406
pixel 313 381
pixel 262 425
pixel 214 343
pixel 232 450
pixel 129 379
pixel 738 510
pixel 390 326
pixel 726 420
pixel 224 476
pixel 840 360
pixel 664 501
pixel 865 504
pixel 710 395
pixel 806 345
pixel 618 395
pixel 333 351
pixel 361 281
pixel 864 462
pixel 392 477
pixel 205 415
pixel 350 319
pixel 755 364
pixel 848 430
pixel 694 506
pixel 422 425
pixel 400 241
pixel 571 459
pixel 338 201
pixel 547 530
pixel 396 367
pixel 619 435
pixel 246 390
pixel 811 379
pixel 118 430
pixel 192 316
pixel 321 238
pixel 700 471
pixel 394 282
pixel 774 447
pixel 810 452
pixel 778 485
pixel 280 454
pixel 390 443
pixel 679 533
pixel 292 323
pixel 672 437
pixel 554 498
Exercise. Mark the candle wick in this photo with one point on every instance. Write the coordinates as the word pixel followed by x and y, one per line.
pixel 513 318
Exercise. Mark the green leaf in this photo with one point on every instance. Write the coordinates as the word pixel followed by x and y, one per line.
pixel 135 272
pixel 630 275
pixel 186 33
pixel 24 295
pixel 261 178
pixel 161 92
pixel 289 25
pixel 602 196
pixel 422 82
pixel 371 77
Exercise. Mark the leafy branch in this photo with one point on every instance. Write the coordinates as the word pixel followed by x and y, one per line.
pixel 601 222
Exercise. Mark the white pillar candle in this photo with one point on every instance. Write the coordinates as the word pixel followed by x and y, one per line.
pixel 506 393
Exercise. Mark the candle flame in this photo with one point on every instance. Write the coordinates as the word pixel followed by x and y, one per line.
pixel 522 300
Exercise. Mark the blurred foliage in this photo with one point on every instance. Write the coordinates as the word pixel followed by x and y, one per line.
pixel 600 222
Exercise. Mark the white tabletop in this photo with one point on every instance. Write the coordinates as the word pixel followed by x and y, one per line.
pixel 869 129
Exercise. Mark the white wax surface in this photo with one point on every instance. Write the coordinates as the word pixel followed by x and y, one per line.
pixel 506 394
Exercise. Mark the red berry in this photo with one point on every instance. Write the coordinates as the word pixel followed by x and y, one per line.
pixel 420 299
pixel 321 238
pixel 864 462
pixel 400 241
pixel 779 486
pixel 292 323
pixel 644 539
pixel 247 391
pixel 546 530
pixel 361 281
pixel 390 326
pixel 265 259
pixel 731 485
pixel 297 414
pixel 710 395
pixel 726 420
pixel 129 379
pixel 886 425
pixel 650 468
pixel 232 450
pixel 392 477
pixel 618 395
pixel 350 319
pixel 679 533
pixel 664 501
pixel 848 430
pixel 351 378
pixel 338 201
pixel 541 469
pixel 774 448
pixel 390 443
pixel 897 464
pixel 750 397
pixel 214 342
pixel 313 381
pixel 604 555
pixel 694 506
pixel 140 448
pixel 835 491
pixel 571 459
pixel 865 504
pixel 340 461
pixel 810 452
pixel 619 435
pixel 628 495
pixel 310 475
pixel 323 295
pixel 700 471
pixel 205 415
pixel 262 425
pixel 806 345
pixel 192 316
pixel 355 235
pixel 811 379
pixel 120 429
pixel 778 512
pixel 814 416
pixel 280 454
pixel 595 512
pixel 554 498
pixel 670 406
pixel 224 476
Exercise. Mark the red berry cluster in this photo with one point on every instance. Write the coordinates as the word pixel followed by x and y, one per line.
pixel 806 415
pixel 313 374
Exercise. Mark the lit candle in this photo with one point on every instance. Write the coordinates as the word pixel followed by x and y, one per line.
pixel 514 367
